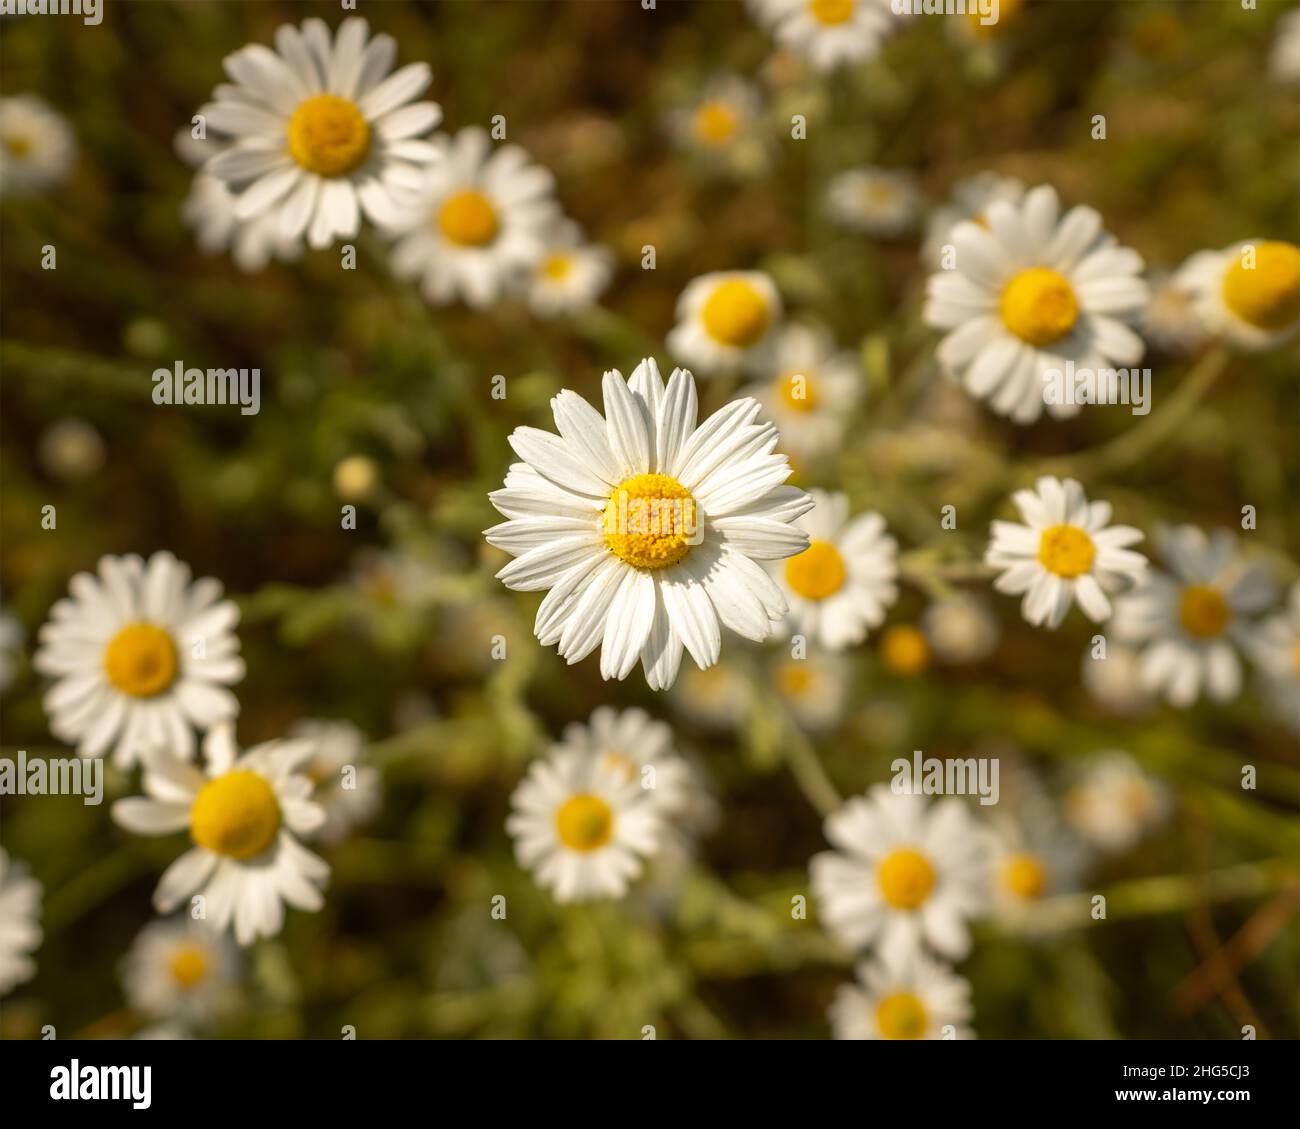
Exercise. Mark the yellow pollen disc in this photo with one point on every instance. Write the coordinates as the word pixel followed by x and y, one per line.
pixel 900 1015
pixel 1267 295
pixel 651 521
pixel 735 314
pixel 1025 876
pixel 140 660
pixel 1066 550
pixel 906 878
pixel 1039 306
pixel 468 218
pixel 557 267
pixel 188 965
pixel 830 12
pixel 817 572
pixel 797 391
pixel 1203 611
pixel 905 650
pixel 236 815
pixel 584 822
pixel 329 135
pixel 715 123
pixel 18 146
pixel 793 678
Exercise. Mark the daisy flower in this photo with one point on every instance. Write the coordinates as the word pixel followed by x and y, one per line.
pixel 831 33
pixel 1248 293
pixel 347 789
pixel 481 222
pixel 244 815
pixel 71 449
pixel 141 657
pixel 645 526
pixel 815 688
pixel 903 871
pixel 570 275
pixel 632 743
pixel 1032 857
pixel 1115 803
pixel 725 320
pixel 905 650
pixel 1029 293
pixel 37 146
pixel 1277 653
pixel 841 584
pixel 180 969
pixel 1190 625
pixel 1172 322
pixel 1115 682
pixel 877 201
pixel 1066 550
pixel 321 131
pixel 718 697
pixel 969 200
pixel 960 629
pixel 1284 59
pixel 20 930
pixel 720 130
pixel 904 996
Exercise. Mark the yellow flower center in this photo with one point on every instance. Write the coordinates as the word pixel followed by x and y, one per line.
pixel 793 678
pixel 1024 876
pixel 797 391
pixel 584 822
pixel 18 146
pixel 140 660
pixel 188 965
pixel 651 521
pixel 236 815
pixel 1066 550
pixel 817 572
pixel 1266 295
pixel 906 878
pixel 830 12
pixel 1203 611
pixel 715 123
pixel 901 1015
pixel 1039 306
pixel 557 267
pixel 905 650
pixel 329 135
pixel 735 314
pixel 468 219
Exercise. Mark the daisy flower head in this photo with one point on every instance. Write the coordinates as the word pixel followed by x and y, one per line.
pixel 720 128
pixel 882 202
pixel 37 145
pixel 814 688
pixel 321 131
pixel 903 996
pixel 1114 803
pixel 347 789
pixel 1249 293
pixel 141 657
pixel 726 321
pixel 1029 293
pixel 1284 59
pixel 245 814
pixel 570 275
pixel 1033 858
pixel 1277 654
pixel 481 221
pixel 903 871
pixel 1065 550
pixel 20 929
pixel 905 650
pixel 841 584
pixel 646 526
pixel 960 629
pixel 180 969
pixel 1172 322
pixel 1115 681
pixel 1190 622
pixel 969 200
pixel 831 33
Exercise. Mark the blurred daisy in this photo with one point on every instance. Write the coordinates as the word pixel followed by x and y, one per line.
pixel 960 629
pixel 718 697
pixel 646 526
pixel 210 210
pixel 905 650
pixel 815 688
pixel 1191 624
pixel 347 789
pixel 633 744
pixel 1030 292
pixel 876 201
pixel 1115 682
pixel 721 129
pixel 1115 803
pixel 180 969
pixel 905 996
pixel 71 449
pixel 141 657
pixel 1277 653
pixel 831 33
pixel 244 815
pixel 570 275
pixel 1284 59
pixel 1171 322
pixel 1032 857
pixel 1248 293
pixel 969 200
pixel 725 321
pixel 481 222
pixel 841 584
pixel 20 930
pixel 903 872
pixel 37 145
pixel 1065 551
pixel 11 642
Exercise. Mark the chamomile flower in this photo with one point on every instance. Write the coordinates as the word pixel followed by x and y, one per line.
pixel 1032 857
pixel 1115 681
pixel 1114 803
pixel 905 650
pixel 720 129
pixel 1191 624
pixel 481 222
pixel 141 657
pixel 1284 59
pixel 570 275
pixel 969 200
pixel 882 202
pixel 321 131
pixel 37 145
pixel 1029 293
pixel 1171 321
pixel 20 929
pixel 903 996
pixel 347 789
pixel 245 814
pixel 180 969
pixel 645 527
pixel 831 33
pixel 1277 654
pixel 718 697
pixel 841 584
pixel 903 872
pixel 1248 293
pixel 814 688
pixel 960 629
pixel 725 321
pixel 1065 551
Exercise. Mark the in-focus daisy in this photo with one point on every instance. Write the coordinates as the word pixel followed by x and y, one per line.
pixel 20 930
pixel 245 814
pixel 1065 550
pixel 481 222
pixel 905 650
pixel 814 688
pixel 1284 59
pixel 1115 803
pixel 645 526
pixel 721 128
pixel 1248 293
pixel 321 131
pixel 141 657
pixel 877 201
pixel 960 629
pixel 347 789
pixel 37 145
pixel 1115 682
pixel 903 871
pixel 1030 292
pixel 904 996
pixel 1277 653
pixel 725 320
pixel 1033 858
pixel 180 969
pixel 570 275
pixel 830 33
pixel 718 697
pixel 842 583
pixel 968 200
pixel 1172 322
pixel 1191 624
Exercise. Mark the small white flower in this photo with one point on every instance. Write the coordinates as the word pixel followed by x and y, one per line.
pixel 245 815
pixel 1172 322
pixel 1029 293
pixel 1066 551
pixel 1032 857
pixel 1115 803
pixel 20 929
pixel 1284 59
pixel 725 321
pixel 814 688
pixel 1277 653
pixel 969 200
pixel 141 657
pixel 180 969
pixel 570 275
pixel 831 33
pixel 721 128
pixel 347 789
pixel 905 996
pixel 1248 293
pixel 1115 682
pixel 71 449
pixel 718 697
pixel 882 202
pixel 960 629
pixel 37 145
